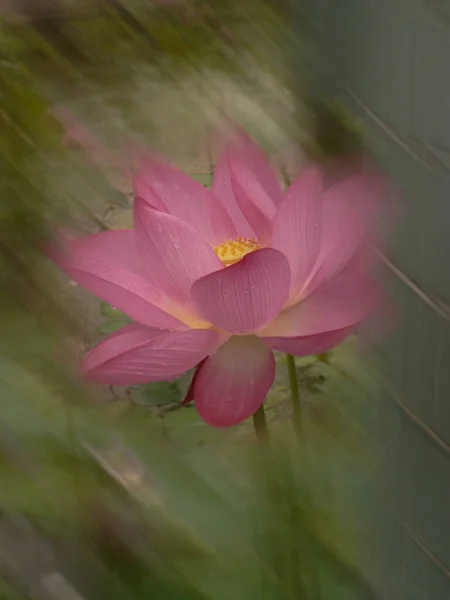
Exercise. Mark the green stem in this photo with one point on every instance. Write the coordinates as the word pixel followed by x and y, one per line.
pixel 295 395
pixel 260 425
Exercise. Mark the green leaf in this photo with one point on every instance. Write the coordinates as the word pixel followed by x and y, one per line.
pixel 204 179
pixel 112 325
pixel 158 394
pixel 108 311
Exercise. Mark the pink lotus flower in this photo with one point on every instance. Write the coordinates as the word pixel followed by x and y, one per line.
pixel 221 278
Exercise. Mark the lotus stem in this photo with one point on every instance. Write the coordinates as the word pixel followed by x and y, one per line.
pixel 260 425
pixel 295 395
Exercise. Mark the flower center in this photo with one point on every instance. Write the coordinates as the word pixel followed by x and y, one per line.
pixel 233 251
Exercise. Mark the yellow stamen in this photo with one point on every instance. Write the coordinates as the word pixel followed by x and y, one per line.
pixel 232 251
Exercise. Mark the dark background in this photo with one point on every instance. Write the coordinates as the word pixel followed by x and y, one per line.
pixel 389 62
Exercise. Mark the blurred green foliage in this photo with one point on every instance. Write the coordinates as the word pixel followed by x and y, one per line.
pixel 334 133
pixel 130 513
pixel 108 39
